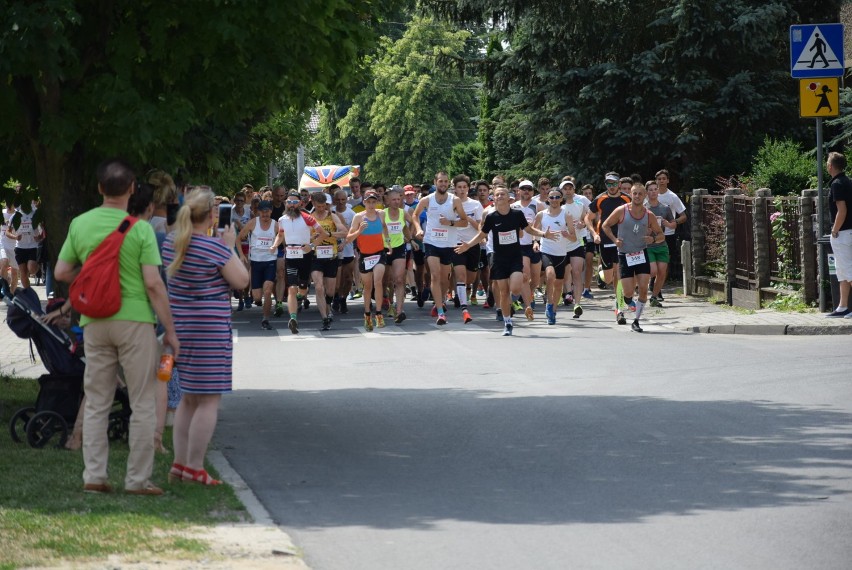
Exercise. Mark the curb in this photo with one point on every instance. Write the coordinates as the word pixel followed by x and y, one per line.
pixel 771 330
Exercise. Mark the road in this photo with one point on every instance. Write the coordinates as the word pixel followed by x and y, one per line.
pixel 576 446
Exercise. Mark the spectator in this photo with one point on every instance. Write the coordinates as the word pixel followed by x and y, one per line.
pixel 839 198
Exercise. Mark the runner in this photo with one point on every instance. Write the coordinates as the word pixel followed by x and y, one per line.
pixel 615 196
pixel 346 254
pixel 530 249
pixel 240 216
pixel 483 191
pixel 26 229
pixel 444 214
pixel 369 232
pixel 554 253
pixel 325 262
pixel 7 246
pixel 279 197
pixel 505 225
pixel 261 232
pixel 297 229
pixel 658 255
pixel 667 197
pixel 637 229
pixel 466 265
pixel 577 206
pixel 398 224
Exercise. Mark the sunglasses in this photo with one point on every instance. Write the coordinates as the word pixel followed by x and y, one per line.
pixel 294 201
pixel 611 184
pixel 555 197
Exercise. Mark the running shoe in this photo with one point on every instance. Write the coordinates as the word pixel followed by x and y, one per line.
pixel 326 324
pixel 264 324
pixel 258 303
pixel 587 294
pixel 516 305
pixel 441 320
pixel 507 329
pixel 466 316
pixel 578 310
pixel 486 305
pixel 306 302
pixel 399 318
pixel 240 305
pixel 569 299
pixel 634 326
pixel 356 295
pixel 343 308
pixel 655 302
pixel 434 312
pixel 473 300
pixel 529 314
pixel 391 311
pixel 532 304
pixel 660 297
pixel 456 301
pixel 247 303
pixel 620 319
pixel 293 325
pixel 480 292
pixel 380 321
pixel 335 304
pixel 550 314
pixel 414 295
pixel 499 314
pixel 489 299
pixel 385 303
pixel 368 323
pixel 279 310
pixel 632 305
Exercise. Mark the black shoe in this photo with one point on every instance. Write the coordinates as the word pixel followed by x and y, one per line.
pixel 620 318
pixel 414 294
pixel 264 324
pixel 326 324
pixel 838 314
pixel 660 296
pixel 634 326
pixel 399 318
pixel 421 298
pixel 335 304
pixel 293 325
pixel 343 308
pixel 457 301
pixel 306 302
pixel 490 298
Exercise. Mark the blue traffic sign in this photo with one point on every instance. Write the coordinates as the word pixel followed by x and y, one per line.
pixel 816 50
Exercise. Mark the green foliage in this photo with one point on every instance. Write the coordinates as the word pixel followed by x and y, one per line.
pixel 791 302
pixel 843 123
pixel 466 158
pixel 637 85
pixel 782 166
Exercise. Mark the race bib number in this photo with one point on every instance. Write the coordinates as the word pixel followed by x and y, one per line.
pixel 507 238
pixel 439 235
pixel 325 251
pixel 264 242
pixel 609 245
pixel 371 261
pixel 295 252
pixel 395 228
pixel 635 258
pixel 660 221
pixel 26 227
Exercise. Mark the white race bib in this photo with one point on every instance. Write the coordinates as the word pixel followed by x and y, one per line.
pixel 395 228
pixel 371 261
pixel 325 251
pixel 507 238
pixel 264 242
pixel 295 252
pixel 439 235
pixel 660 221
pixel 26 227
pixel 635 258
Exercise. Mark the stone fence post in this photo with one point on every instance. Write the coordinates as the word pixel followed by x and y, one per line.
pixel 699 256
pixel 760 223
pixel 730 242
pixel 807 242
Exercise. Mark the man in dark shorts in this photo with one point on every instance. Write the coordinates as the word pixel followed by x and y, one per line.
pixel 637 229
pixel 604 204
pixel 505 225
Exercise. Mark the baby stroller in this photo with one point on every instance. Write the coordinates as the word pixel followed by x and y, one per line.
pixel 61 391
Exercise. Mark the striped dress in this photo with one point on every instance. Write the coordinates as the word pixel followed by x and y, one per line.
pixel 201 308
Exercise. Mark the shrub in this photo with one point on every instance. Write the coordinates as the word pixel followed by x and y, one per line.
pixel 783 167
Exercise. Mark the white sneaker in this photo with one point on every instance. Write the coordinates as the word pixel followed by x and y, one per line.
pixel 849 316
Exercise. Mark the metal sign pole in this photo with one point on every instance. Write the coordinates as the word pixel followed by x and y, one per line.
pixel 821 269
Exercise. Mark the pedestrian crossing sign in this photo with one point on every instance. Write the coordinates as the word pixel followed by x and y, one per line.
pixel 816 50
pixel 819 97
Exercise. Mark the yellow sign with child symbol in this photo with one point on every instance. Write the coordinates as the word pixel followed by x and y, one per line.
pixel 819 97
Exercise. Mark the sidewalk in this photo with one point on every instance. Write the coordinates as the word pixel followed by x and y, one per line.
pixel 687 314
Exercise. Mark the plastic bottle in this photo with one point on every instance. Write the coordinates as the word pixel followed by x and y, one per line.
pixel 167 362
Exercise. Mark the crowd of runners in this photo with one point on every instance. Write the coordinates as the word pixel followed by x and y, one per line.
pixel 498 244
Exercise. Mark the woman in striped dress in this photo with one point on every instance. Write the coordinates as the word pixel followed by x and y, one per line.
pixel 201 272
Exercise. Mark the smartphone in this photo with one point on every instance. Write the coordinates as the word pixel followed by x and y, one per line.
pixel 171 214
pixel 224 215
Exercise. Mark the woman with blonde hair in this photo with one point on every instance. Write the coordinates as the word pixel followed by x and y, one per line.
pixel 201 272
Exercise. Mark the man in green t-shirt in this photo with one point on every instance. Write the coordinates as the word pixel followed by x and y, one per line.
pixel 127 338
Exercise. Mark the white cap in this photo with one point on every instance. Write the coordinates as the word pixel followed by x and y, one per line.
pixel 611 178
pixel 566 183
pixel 526 184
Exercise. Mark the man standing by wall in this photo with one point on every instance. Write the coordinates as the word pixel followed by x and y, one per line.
pixel 127 337
pixel 839 199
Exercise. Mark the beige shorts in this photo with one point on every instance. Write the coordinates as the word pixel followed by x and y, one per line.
pixel 842 248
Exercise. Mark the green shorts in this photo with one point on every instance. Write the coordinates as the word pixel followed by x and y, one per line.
pixel 658 254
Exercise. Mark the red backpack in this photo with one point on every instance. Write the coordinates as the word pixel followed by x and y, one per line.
pixel 96 292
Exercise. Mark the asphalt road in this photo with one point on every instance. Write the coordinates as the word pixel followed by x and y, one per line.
pixel 576 446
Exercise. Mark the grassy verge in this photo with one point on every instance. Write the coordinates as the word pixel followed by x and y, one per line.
pixel 45 516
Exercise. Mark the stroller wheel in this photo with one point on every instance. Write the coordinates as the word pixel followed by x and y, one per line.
pixel 45 426
pixel 18 424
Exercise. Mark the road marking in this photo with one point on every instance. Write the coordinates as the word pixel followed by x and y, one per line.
pixel 285 335
pixel 235 336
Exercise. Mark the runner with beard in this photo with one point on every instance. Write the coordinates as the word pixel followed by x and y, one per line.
pixel 325 262
pixel 505 224
pixel 444 214
pixel 299 231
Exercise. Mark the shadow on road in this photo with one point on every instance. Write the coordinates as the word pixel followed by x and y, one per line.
pixel 404 458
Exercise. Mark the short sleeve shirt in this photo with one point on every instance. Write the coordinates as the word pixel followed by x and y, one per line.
pixel 505 230
pixel 841 191
pixel 139 248
pixel 199 276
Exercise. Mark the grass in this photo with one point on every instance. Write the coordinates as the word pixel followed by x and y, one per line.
pixel 45 517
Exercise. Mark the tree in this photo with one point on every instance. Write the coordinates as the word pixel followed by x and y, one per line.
pixel 414 111
pixel 640 85
pixel 152 81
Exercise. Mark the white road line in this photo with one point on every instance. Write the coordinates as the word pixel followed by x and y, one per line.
pixel 235 336
pixel 284 335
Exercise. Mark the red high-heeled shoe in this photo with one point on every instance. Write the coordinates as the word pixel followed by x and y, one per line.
pixel 176 473
pixel 199 476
